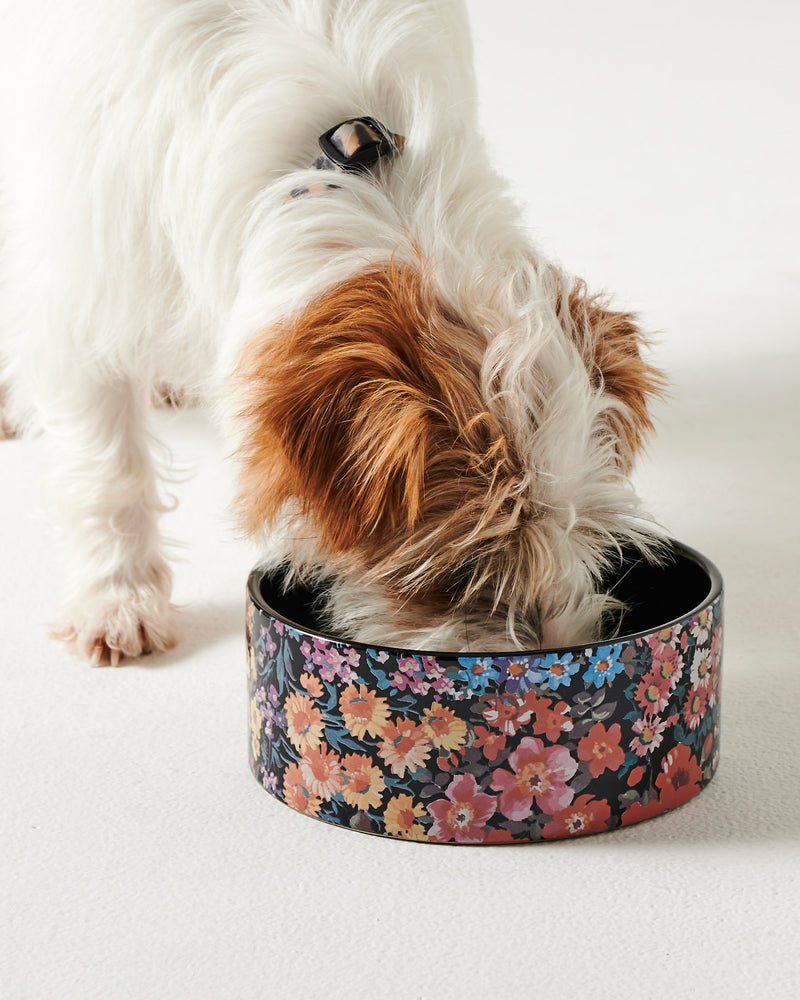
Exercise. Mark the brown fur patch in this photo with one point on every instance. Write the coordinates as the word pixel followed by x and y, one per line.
pixel 368 411
pixel 611 344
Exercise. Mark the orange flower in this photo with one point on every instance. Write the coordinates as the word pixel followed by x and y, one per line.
pixel 363 711
pixel 405 746
pixel 312 684
pixel 400 817
pixel 296 794
pixel 322 772
pixel 303 722
pixel 444 727
pixel 363 782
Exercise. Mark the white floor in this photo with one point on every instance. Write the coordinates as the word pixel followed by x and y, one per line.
pixel 656 148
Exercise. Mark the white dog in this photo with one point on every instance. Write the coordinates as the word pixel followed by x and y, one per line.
pixel 429 416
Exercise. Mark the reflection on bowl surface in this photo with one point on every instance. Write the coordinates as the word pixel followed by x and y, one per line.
pixel 492 748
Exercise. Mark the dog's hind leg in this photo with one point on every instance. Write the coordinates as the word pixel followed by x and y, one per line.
pixel 119 603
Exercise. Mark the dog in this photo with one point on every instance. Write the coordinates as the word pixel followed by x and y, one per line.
pixel 427 416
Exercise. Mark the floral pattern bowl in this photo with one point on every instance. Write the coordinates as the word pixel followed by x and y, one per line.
pixel 492 748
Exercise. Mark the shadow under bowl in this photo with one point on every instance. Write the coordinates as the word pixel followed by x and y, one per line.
pixel 492 747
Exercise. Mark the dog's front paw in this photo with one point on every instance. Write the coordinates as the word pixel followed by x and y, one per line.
pixel 105 630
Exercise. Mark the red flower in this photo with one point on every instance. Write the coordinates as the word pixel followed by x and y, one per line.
pixel 694 708
pixel 462 816
pixel 506 713
pixel 639 811
pixel 539 773
pixel 601 748
pixel 492 743
pixel 680 777
pixel 550 722
pixel 585 815
pixel 652 692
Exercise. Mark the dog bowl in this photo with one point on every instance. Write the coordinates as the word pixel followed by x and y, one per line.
pixel 492 748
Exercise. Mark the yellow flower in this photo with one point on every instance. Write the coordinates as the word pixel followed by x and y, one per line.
pixel 363 782
pixel 400 815
pixel 444 727
pixel 363 711
pixel 303 722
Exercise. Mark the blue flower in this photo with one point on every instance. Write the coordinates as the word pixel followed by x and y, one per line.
pixel 604 667
pixel 558 670
pixel 478 671
pixel 519 674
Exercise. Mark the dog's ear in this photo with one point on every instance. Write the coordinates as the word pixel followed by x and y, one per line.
pixel 351 409
pixel 611 344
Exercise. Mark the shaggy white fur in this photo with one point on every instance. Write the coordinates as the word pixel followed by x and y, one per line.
pixel 148 148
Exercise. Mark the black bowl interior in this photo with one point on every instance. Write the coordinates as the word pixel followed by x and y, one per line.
pixel 654 596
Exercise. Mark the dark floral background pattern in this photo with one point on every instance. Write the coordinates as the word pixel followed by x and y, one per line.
pixel 485 750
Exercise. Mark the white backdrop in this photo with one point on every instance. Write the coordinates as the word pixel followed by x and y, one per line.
pixel 656 148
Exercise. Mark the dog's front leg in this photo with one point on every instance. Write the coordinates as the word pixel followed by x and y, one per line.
pixel 118 605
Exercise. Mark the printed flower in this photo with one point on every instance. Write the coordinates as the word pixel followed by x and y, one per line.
pixel 694 708
pixel 600 747
pixel 363 781
pixel 549 722
pixel 700 670
pixel 539 773
pixel 296 794
pixel 666 637
pixel 519 674
pixel 332 663
pixel 322 772
pixel 462 816
pixel 603 667
pixel 667 665
pixel 585 815
pixel 409 675
pixel 303 722
pixel 506 712
pixel 363 711
pixel 701 626
pixel 491 743
pixel 680 777
pixel 478 672
pixel 312 684
pixel 445 729
pixel 405 746
pixel 652 692
pixel 641 810
pixel 648 734
pixel 400 816
pixel 559 670
pixel 256 721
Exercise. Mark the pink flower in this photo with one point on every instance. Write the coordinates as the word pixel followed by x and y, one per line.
pixel 648 734
pixel 461 816
pixel 539 773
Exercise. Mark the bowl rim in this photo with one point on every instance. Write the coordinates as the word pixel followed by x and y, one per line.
pixel 671 545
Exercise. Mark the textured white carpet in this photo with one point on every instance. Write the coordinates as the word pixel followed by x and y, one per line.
pixel 656 150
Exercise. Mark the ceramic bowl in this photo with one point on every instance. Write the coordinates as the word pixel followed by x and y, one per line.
pixel 492 748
